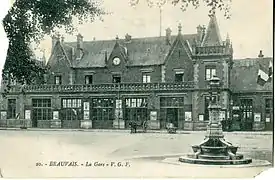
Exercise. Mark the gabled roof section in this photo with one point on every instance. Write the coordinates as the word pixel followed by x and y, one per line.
pixel 64 50
pixel 212 36
pixel 138 51
pixel 122 49
pixel 147 51
pixel 245 72
pixel 184 41
pixel 93 53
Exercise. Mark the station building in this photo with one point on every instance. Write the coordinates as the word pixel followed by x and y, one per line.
pixel 105 84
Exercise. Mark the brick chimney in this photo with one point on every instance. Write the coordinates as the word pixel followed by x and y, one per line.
pixel 44 59
pixel 261 54
pixel 54 41
pixel 79 38
pixel 128 38
pixel 203 32
pixel 168 36
pixel 200 33
pixel 79 47
pixel 62 39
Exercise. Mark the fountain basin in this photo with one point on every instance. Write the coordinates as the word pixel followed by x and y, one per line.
pixel 213 150
pixel 214 161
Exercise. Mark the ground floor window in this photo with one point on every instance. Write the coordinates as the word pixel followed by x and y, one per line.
pixel 102 112
pixel 42 111
pixel 11 114
pixel 136 109
pixel 246 107
pixel 172 111
pixel 71 111
pixel 171 115
pixel 172 102
pixel 268 110
pixel 71 103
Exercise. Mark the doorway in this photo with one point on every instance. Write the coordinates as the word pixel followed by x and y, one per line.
pixel 41 113
pixel 246 114
pixel 172 116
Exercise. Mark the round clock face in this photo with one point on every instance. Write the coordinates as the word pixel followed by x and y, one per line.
pixel 116 61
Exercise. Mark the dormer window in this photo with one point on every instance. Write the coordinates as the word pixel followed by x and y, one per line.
pixel 146 77
pixel 116 79
pixel 179 77
pixel 57 80
pixel 89 79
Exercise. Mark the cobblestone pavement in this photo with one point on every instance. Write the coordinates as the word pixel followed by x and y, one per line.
pixel 28 154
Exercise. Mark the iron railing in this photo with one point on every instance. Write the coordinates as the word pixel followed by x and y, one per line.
pixel 103 87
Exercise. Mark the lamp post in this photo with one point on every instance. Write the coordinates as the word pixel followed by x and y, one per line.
pixel 214 149
pixel 230 122
pixel 214 128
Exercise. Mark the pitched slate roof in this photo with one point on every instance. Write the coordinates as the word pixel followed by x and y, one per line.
pixel 141 51
pixel 245 72
pixel 94 53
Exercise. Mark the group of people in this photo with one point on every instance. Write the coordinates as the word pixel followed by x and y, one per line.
pixel 226 125
pixel 135 124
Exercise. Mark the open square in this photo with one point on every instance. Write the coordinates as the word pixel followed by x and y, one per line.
pixel 141 154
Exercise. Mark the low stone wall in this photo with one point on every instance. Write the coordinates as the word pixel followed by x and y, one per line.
pixel 44 124
pixel 119 124
pixel 55 123
pixel 86 124
pixel 258 126
pixel 154 125
pixel 200 126
pixel 188 125
pixel 16 123
pixel 3 123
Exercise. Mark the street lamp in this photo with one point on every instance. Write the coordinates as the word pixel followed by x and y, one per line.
pixel 230 122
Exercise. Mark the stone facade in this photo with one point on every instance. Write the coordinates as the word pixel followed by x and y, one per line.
pixel 107 84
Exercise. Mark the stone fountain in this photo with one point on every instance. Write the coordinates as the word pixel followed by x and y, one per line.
pixel 214 149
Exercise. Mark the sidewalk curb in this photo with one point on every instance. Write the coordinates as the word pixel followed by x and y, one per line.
pixel 128 131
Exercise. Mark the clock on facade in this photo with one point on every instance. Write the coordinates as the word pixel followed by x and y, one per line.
pixel 116 61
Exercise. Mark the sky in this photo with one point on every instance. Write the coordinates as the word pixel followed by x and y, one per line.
pixel 250 26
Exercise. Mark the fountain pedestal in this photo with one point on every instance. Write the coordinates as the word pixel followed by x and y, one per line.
pixel 214 149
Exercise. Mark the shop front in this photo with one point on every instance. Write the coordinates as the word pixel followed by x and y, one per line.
pixel 172 111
